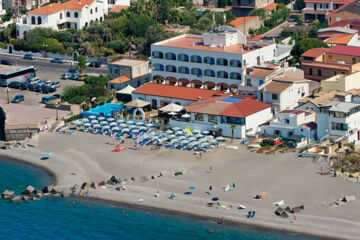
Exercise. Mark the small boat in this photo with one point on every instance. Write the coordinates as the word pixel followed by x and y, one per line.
pixel 241 207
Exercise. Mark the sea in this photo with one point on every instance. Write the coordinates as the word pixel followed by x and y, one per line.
pixel 67 218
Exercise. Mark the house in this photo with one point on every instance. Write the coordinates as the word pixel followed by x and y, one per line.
pixel 117 4
pixel 160 95
pixel 243 24
pixel 349 11
pixel 28 4
pixel 321 63
pixel 242 8
pixel 341 82
pixel 270 8
pixel 353 24
pixel 339 36
pixel 214 60
pixel 225 112
pixel 319 9
pixel 176 28
pixel 290 124
pixel 130 71
pixel 314 102
pixel 74 14
pixel 339 121
pixel 283 92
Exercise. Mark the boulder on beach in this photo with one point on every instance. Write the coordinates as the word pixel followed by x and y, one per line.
pixel 284 215
pixel 16 199
pixel 93 185
pixel 296 210
pixel 85 186
pixel 348 198
pixel 29 190
pixel 144 178
pixel 25 198
pixel 115 180
pixel 279 211
pixel 7 194
pixel 76 187
pixel 288 209
pixel 48 189
pixel 109 182
pixel 64 194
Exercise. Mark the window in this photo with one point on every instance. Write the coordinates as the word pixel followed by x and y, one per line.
pixel 33 20
pixel 222 74
pixel 138 70
pixel 68 14
pixel 157 54
pixel 221 62
pixel 212 118
pixel 274 96
pixel 310 71
pixel 319 72
pixel 96 9
pixel 146 68
pixel 235 63
pixel 330 57
pixel 170 56
pixel 39 20
pixel 154 103
pixel 199 117
pixel 60 16
pixel 209 73
pixel 235 75
pixel 274 53
pixel 183 57
pixel 91 11
pixel 196 71
pixel 339 126
pixel 248 82
pixel 196 59
pixel 209 60
pixel 184 70
pixel 76 15
pixel 277 132
pixel 290 134
pixel 353 60
pixel 334 72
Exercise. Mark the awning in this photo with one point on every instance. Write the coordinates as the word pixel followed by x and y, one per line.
pixel 127 90
pixel 137 103
pixel 172 107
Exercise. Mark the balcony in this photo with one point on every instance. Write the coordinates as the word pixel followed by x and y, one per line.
pixel 244 4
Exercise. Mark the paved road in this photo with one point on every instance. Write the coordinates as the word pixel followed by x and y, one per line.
pixel 276 32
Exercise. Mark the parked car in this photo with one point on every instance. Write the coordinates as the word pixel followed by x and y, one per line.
pixel 48 99
pixel 29 56
pixel 72 70
pixel 18 98
pixel 66 76
pixel 74 76
pixel 14 84
pixel 55 84
pixel 95 64
pixel 47 89
pixel 23 85
pixel 38 86
pixel 47 83
pixel 5 62
pixel 57 60
pixel 57 96
pixel 31 86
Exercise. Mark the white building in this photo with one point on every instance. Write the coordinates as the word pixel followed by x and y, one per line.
pixel 74 14
pixel 214 60
pixel 223 112
pixel 339 121
pixel 292 123
pixel 113 3
pixel 28 4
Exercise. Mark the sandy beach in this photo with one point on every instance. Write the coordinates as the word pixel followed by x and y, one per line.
pixel 83 157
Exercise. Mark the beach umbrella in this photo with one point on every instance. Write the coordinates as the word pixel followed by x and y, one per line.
pixel 169 131
pixel 110 119
pixel 196 131
pixel 113 124
pixel 215 199
pixel 103 123
pixel 172 113
pixel 149 125
pixel 188 134
pixel 184 142
pixel 192 139
pixel 182 137
pixel 76 122
pixel 179 133
pixel 92 117
pixel 94 121
pixel 186 130
pixel 140 123
pixel 120 120
pixel 122 125
pixel 220 139
pixel 172 136
pixel 199 135
pixel 213 141
pixel 192 187
pixel 136 131
pixel 106 127
pixel 84 120
pixel 126 129
pixel 205 132
pixel 87 124
pixel 130 122
pixel 132 126
pixel 202 140
pixel 101 118
pixel 186 115
pixel 96 126
pixel 115 129
pixel 176 128
pixel 210 137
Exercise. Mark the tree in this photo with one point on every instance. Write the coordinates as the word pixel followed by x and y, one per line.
pixel 299 19
pixel 300 4
pixel 233 128
pixel 305 44
pixel 81 63
pixel 261 12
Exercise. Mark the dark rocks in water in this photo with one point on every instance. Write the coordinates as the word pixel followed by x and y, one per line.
pixel 7 194
pixel 48 189
pixel 16 199
pixel 26 198
pixel 35 198
pixel 296 210
pixel 28 191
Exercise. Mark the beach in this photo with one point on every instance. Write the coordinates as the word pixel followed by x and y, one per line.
pixel 83 157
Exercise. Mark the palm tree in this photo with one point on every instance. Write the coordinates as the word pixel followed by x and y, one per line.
pixel 233 128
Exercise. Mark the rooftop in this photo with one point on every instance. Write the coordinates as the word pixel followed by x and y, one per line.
pixel 328 1
pixel 345 50
pixel 118 9
pixel 339 39
pixel 338 106
pixel 227 106
pixel 261 72
pixel 314 52
pixel 57 7
pixel 310 125
pixel 271 6
pixel 297 112
pixel 277 86
pixel 352 7
pixel 337 29
pixel 327 65
pixel 176 28
pixel 321 98
pixel 128 62
pixel 121 79
pixel 237 22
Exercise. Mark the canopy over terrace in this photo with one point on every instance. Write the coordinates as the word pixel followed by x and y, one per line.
pixel 172 107
pixel 127 90
pixel 137 103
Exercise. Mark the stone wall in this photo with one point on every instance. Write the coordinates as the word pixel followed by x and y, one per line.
pixel 19 133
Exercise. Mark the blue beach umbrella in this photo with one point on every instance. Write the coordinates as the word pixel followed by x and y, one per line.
pixel 110 119
pixel 192 187
pixel 48 153
pixel 101 118
pixel 120 120
pixel 92 117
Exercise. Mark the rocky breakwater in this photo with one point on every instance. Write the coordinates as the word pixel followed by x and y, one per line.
pixel 32 194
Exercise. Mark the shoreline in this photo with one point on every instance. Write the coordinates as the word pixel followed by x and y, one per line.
pixel 166 211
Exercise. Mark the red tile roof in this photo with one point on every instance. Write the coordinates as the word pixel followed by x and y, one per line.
pixel 327 1
pixel 346 4
pixel 57 7
pixel 310 125
pixel 340 39
pixel 121 79
pixel 326 65
pixel 118 9
pixel 277 86
pixel 341 23
pixel 178 92
pixel 297 112
pixel 261 72
pixel 314 52
pixel 237 22
pixel 239 109
pixel 345 50
pixel 271 6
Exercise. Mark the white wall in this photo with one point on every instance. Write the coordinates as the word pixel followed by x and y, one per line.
pixel 254 121
pixel 290 97
pixel 149 98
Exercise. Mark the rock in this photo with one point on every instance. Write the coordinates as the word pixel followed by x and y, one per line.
pixel 288 209
pixel 115 180
pixel 354 175
pixel 29 190
pixel 144 178
pixel 284 215
pixel 132 178
pixel 302 207
pixel 85 186
pixel 279 211
pixel 76 187
pixel 348 198
pixel 93 185
pixel 35 198
pixel 164 173
pixel 16 199
pixel 178 173
pixel 25 198
pixel 39 195
pixel 7 194
pixel 296 210
pixel 57 195
pixel 48 189
pixel 109 182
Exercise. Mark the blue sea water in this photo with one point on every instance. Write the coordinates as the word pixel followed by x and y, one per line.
pixel 58 218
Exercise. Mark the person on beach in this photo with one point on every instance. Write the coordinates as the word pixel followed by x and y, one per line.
pixel 210 189
pixel 233 185
pixel 211 169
